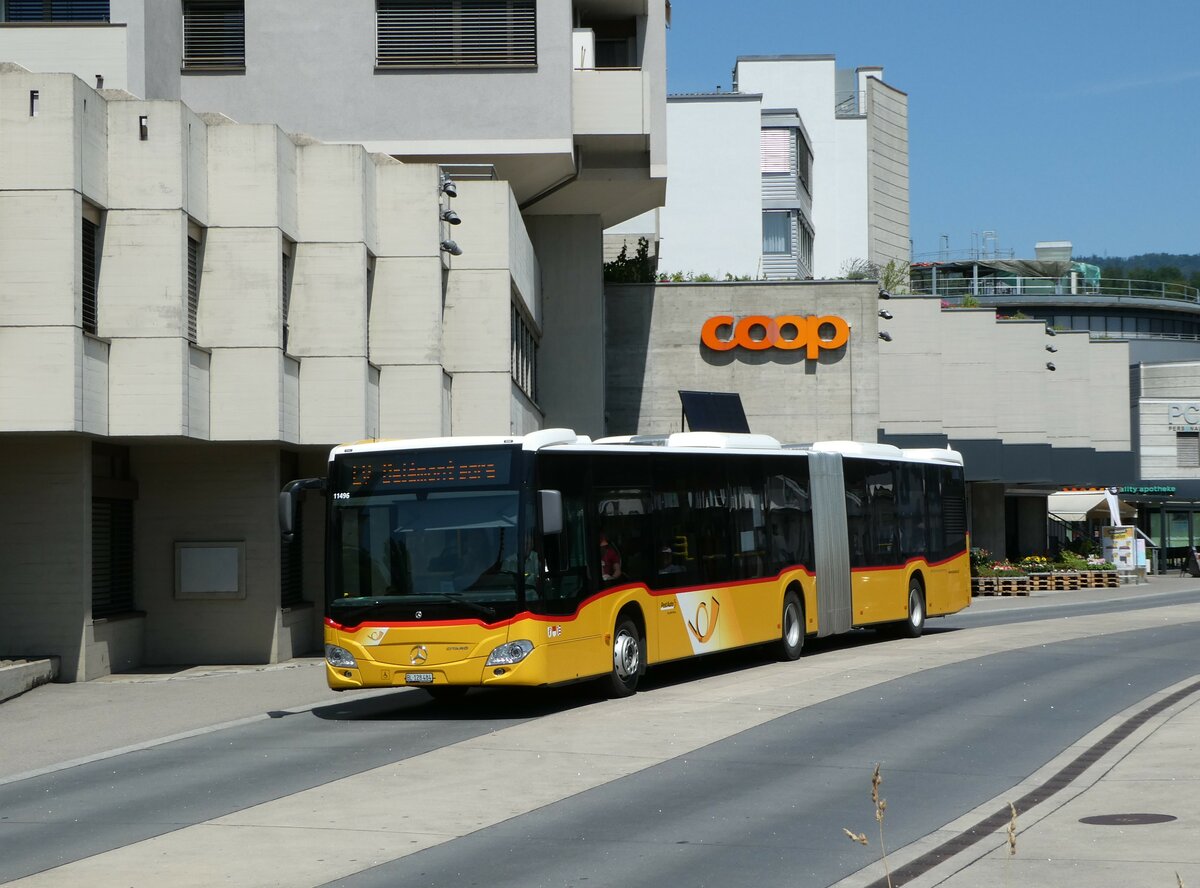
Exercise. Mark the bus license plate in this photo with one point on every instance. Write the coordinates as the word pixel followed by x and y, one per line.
pixel 418 678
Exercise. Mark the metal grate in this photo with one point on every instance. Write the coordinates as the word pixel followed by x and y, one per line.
pixel 456 33
pixel 55 10
pixel 112 557
pixel 91 236
pixel 214 34
pixel 193 287
pixel 1187 450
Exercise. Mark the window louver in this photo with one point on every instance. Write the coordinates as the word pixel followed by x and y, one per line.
pixel 193 286
pixel 777 150
pixel 90 238
pixel 214 34
pixel 456 33
pixel 1187 450
pixel 56 10
pixel 112 557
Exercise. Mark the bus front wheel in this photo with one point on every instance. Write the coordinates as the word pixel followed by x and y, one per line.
pixel 791 639
pixel 915 624
pixel 629 650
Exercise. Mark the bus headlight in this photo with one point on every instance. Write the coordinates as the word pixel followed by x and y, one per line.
pixel 339 658
pixel 510 652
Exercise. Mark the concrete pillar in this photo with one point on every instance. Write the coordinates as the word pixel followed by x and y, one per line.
pixel 571 356
pixel 987 517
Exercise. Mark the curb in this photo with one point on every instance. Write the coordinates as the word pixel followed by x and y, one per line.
pixel 19 676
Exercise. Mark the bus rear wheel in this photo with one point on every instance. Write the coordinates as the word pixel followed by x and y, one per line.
pixel 791 639
pixel 915 624
pixel 629 656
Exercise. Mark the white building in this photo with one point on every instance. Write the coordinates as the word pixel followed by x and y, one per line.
pixel 801 171
pixel 197 302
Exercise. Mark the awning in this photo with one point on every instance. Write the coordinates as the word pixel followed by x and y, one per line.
pixel 1077 506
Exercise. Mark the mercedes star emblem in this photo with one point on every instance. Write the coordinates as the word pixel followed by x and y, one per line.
pixel 418 655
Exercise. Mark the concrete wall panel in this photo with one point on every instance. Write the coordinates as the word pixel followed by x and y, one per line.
pixel 39 229
pixel 45 550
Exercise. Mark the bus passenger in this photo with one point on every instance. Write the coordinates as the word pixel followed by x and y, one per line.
pixel 610 560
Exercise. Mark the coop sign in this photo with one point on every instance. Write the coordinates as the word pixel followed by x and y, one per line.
pixel 813 333
pixel 1184 416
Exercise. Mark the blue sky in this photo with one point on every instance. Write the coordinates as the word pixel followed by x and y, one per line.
pixel 1051 120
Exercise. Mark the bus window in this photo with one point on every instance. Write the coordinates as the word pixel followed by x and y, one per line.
pixel 857 512
pixel 910 510
pixel 749 515
pixel 789 520
pixel 954 511
pixel 933 498
pixel 691 518
pixel 882 495
pixel 623 534
pixel 565 580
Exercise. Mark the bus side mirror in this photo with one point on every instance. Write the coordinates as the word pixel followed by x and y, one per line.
pixel 289 497
pixel 550 515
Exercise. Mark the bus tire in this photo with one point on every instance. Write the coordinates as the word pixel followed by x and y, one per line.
pixel 791 638
pixel 915 624
pixel 446 693
pixel 629 658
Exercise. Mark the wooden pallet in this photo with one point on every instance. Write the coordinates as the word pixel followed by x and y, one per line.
pixel 999 586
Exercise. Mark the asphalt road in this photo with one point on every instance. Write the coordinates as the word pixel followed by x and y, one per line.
pixel 764 806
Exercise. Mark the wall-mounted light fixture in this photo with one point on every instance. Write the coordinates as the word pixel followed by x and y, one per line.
pixel 885 314
pixel 449 246
pixel 1050 366
pixel 450 217
pixel 1051 348
pixel 885 335
pixel 448 187
pixel 884 294
pixel 143 127
pixel 1050 331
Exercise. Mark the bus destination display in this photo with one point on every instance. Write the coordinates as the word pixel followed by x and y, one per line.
pixel 366 473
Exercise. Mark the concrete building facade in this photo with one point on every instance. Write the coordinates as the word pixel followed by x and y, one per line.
pixel 245 248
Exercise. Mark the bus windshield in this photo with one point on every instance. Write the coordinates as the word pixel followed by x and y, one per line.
pixel 425 549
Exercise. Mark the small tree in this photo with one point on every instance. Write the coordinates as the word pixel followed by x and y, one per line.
pixel 636 270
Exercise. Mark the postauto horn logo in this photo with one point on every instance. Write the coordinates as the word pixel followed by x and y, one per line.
pixel 787 332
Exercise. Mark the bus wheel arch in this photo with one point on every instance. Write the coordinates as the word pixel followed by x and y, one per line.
pixel 628 652
pixel 791 624
pixel 914 623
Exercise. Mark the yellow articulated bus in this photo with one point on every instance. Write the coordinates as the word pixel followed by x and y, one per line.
pixel 455 563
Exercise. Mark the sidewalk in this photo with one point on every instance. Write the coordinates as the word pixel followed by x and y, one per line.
pixel 1129 818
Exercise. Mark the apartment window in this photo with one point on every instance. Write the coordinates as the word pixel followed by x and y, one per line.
pixel 804 161
pixel 777 233
pixel 806 246
pixel 523 350
pixel 54 10
pixel 195 236
pixel 90 266
pixel 1187 450
pixel 214 35
pixel 456 33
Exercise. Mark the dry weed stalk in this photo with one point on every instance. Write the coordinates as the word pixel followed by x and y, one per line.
pixel 1012 830
pixel 880 810
pixel 1179 879
pixel 861 838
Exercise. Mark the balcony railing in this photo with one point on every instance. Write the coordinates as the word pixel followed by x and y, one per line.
pixel 954 289
pixel 846 103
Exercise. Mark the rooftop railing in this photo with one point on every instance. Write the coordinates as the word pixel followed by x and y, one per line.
pixel 954 289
